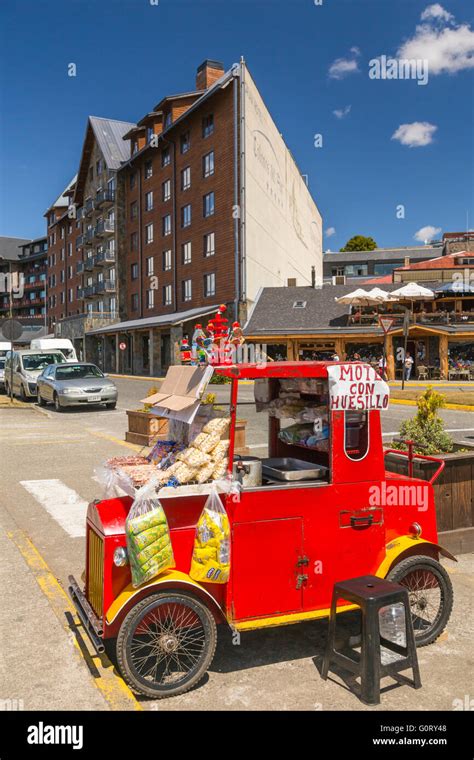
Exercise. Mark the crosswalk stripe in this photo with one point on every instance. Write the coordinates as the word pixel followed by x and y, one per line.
pixel 61 502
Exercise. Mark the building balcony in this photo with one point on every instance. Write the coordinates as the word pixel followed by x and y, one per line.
pixel 89 207
pixel 104 257
pixel 80 268
pixel 89 292
pixel 79 242
pixel 106 286
pixel 105 198
pixel 106 227
pixel 89 264
pixel 88 235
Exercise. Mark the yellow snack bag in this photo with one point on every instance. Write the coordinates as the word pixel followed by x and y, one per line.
pixel 211 554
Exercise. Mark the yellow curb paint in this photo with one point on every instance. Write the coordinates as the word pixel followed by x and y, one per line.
pixel 112 687
pixel 133 446
pixel 410 402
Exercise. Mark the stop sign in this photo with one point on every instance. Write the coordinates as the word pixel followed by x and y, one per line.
pixel 122 346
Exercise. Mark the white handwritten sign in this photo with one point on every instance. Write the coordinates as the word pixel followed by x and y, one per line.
pixel 356 387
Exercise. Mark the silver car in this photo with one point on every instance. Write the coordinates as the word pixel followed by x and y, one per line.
pixel 75 384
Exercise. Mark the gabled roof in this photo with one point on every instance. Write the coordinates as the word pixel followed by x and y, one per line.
pixel 275 313
pixel 109 134
pixel 440 262
pixel 63 200
pixel 179 96
pixel 10 247
pixel 383 254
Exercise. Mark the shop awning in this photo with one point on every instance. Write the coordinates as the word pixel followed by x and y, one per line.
pixel 164 320
pixel 455 288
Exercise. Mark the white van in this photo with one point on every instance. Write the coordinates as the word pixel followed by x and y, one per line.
pixel 56 344
pixel 5 346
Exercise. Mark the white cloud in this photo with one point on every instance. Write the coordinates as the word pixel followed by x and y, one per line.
pixel 341 67
pixel 415 135
pixel 330 231
pixel 340 113
pixel 427 233
pixel 448 47
pixel 436 11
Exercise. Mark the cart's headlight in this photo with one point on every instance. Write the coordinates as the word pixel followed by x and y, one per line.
pixel 120 556
pixel 415 529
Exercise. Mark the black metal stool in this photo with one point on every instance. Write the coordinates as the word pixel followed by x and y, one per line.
pixel 370 594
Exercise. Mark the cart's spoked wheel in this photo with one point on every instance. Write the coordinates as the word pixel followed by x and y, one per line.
pixel 430 593
pixel 166 644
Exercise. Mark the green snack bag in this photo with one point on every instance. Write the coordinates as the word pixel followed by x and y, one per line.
pixel 147 537
pixel 145 516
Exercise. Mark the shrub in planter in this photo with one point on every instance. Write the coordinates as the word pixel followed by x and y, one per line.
pixel 219 380
pixel 426 428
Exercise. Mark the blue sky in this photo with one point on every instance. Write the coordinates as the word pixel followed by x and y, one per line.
pixel 393 142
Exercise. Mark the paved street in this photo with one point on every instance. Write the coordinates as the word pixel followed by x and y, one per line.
pixel 47 479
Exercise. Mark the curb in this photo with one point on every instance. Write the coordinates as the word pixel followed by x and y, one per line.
pixel 411 402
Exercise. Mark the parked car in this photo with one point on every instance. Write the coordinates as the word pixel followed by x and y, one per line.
pixel 27 366
pixel 56 344
pixel 2 372
pixel 5 347
pixel 74 385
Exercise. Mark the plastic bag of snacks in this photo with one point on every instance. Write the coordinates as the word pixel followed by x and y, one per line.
pixel 108 478
pixel 193 457
pixel 217 425
pixel 211 553
pixel 220 451
pixel 205 442
pixel 148 539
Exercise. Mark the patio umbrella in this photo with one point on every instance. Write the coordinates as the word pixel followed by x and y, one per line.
pixel 358 297
pixel 411 292
pixel 379 294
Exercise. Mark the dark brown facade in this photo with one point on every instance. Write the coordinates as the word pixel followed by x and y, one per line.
pixel 64 282
pixel 179 208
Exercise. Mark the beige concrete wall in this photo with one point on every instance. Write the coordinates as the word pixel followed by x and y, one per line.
pixel 282 223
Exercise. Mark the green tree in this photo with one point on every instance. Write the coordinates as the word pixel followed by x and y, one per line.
pixel 360 243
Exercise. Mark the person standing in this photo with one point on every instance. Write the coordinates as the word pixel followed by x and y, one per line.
pixel 408 365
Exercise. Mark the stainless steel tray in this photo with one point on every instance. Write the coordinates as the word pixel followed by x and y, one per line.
pixel 287 468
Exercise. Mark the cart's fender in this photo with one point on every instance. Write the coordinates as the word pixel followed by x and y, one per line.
pixel 406 545
pixel 169 579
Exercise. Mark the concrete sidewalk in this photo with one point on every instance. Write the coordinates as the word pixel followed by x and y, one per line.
pixel 40 665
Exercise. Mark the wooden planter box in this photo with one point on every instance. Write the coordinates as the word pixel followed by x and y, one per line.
pixel 453 492
pixel 240 442
pixel 145 428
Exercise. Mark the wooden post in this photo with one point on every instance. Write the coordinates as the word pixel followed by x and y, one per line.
pixel 390 357
pixel 443 356
pixel 339 345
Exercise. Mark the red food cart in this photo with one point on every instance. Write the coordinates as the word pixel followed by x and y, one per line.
pixel 291 540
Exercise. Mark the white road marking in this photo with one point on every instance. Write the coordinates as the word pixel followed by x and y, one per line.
pixel 61 502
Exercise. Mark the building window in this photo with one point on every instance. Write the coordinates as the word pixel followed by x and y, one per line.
pixel 166 260
pixel 69 249
pixel 149 233
pixel 133 180
pixel 186 290
pixel 134 146
pixel 134 301
pixel 165 157
pixel 167 295
pixel 99 167
pixel 61 233
pixel 149 134
pixel 69 272
pixel 208 164
pixel 208 125
pixel 208 204
pixel 149 201
pixel 166 190
pixel 62 254
pixel 134 271
pixel 71 295
pixel 113 305
pixel 134 241
pixel 185 142
pixel 210 244
pixel 133 210
pixel 186 178
pixel 168 120
pixel 186 215
pixel 166 225
pixel 149 266
pixel 210 284
pixel 62 275
pixel 148 169
pixel 150 299
pixel 186 252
